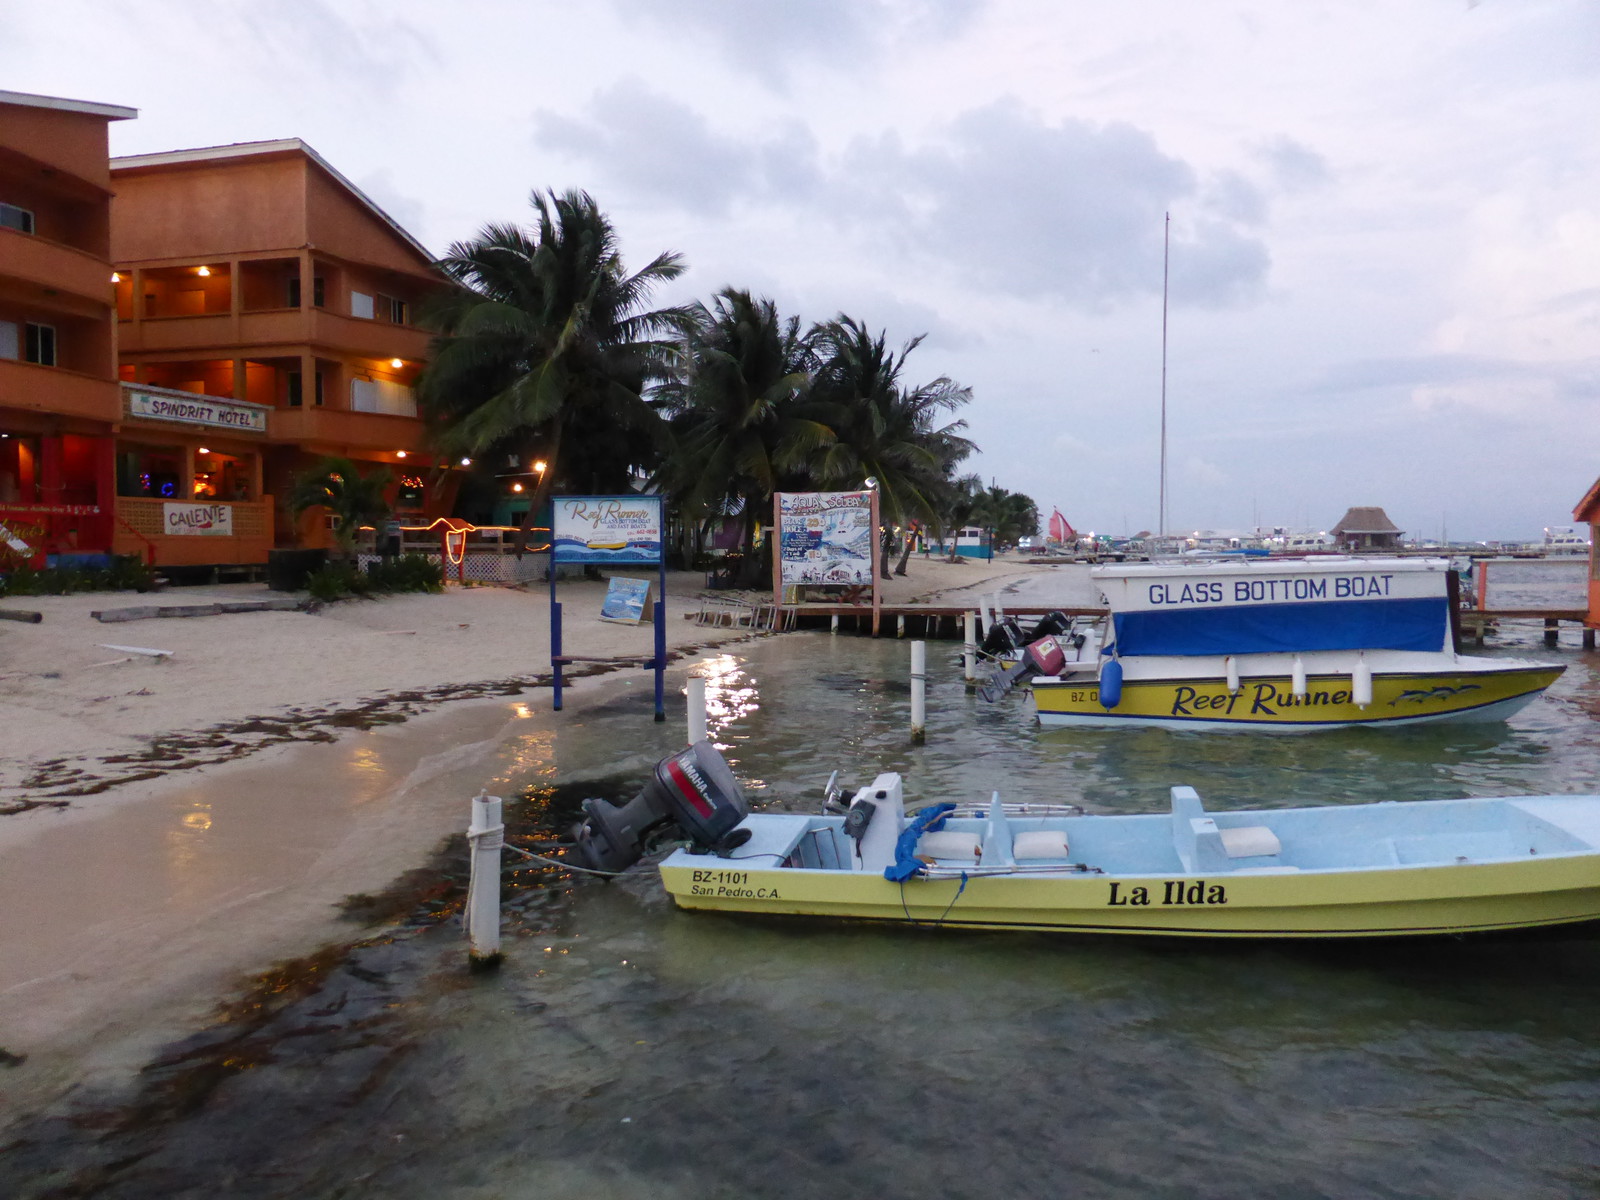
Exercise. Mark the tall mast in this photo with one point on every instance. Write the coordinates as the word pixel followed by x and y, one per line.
pixel 1166 256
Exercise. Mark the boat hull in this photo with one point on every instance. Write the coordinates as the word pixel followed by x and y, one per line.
pixel 1363 903
pixel 1267 703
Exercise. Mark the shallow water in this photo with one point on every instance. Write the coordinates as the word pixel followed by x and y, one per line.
pixel 626 1049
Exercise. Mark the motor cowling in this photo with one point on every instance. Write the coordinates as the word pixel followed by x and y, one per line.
pixel 1043 657
pixel 1003 638
pixel 694 790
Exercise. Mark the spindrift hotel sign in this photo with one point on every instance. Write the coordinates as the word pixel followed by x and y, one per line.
pixel 197 410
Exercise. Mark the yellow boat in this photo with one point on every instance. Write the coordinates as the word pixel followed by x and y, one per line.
pixel 1340 871
pixel 1282 645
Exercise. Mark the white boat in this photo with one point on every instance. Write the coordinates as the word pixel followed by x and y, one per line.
pixel 1336 871
pixel 1284 644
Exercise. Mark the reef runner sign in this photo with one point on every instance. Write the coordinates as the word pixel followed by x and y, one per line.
pixel 197 520
pixel 197 410
pixel 606 529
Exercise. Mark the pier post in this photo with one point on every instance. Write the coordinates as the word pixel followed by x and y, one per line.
pixel 835 628
pixel 919 699
pixel 485 837
pixel 697 709
pixel 1588 638
pixel 1552 632
pixel 969 652
pixel 900 625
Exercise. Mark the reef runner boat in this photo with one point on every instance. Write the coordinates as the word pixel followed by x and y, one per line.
pixel 1338 871
pixel 1287 645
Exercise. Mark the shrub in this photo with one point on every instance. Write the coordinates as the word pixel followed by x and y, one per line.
pixel 408 573
pixel 127 572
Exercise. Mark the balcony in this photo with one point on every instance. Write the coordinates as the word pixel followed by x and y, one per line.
pixel 329 428
pixel 274 328
pixel 56 267
pixel 368 339
pixel 58 390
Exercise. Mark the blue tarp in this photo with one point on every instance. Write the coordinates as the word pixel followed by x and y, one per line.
pixel 906 862
pixel 1411 624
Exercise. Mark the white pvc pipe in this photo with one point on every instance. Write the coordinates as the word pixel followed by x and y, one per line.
pixel 988 620
pixel 697 709
pixel 969 652
pixel 1232 665
pixel 900 627
pixel 835 627
pixel 1297 678
pixel 919 683
pixel 485 837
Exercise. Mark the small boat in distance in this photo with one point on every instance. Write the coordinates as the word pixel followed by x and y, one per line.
pixel 1337 871
pixel 1288 645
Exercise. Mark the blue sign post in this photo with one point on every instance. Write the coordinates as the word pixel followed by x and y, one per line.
pixel 608 531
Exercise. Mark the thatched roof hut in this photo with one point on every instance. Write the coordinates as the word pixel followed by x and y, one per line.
pixel 1366 529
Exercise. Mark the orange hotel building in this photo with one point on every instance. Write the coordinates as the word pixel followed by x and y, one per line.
pixel 265 319
pixel 60 403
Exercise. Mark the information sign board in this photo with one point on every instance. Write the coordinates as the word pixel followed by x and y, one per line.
pixel 606 529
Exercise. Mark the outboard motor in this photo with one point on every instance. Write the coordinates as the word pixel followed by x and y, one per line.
pixel 1003 638
pixel 1043 657
pixel 693 789
pixel 1052 624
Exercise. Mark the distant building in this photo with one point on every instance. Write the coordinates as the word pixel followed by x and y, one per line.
pixel 59 401
pixel 1366 529
pixel 267 313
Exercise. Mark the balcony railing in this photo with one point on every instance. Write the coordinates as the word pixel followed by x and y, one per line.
pixel 58 390
pixel 55 265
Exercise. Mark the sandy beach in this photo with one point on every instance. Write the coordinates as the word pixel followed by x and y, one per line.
pixel 170 826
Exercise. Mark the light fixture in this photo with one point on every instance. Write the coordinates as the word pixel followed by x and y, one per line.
pixel 516 487
pixel 397 363
pixel 399 453
pixel 539 466
pixel 202 271
pixel 116 277
pixel 204 450
pixel 466 462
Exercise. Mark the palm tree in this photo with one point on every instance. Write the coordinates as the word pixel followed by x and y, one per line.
pixel 544 348
pixel 888 437
pixel 742 426
pixel 351 498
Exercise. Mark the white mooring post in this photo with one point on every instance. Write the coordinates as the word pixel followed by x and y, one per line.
pixel 697 709
pixel 485 837
pixel 834 628
pixel 900 628
pixel 969 652
pixel 919 698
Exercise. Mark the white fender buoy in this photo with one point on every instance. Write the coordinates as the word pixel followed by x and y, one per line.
pixel 1361 682
pixel 1232 665
pixel 1297 678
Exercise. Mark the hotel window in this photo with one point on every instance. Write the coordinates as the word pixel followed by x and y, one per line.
pixel 361 306
pixel 12 217
pixel 319 291
pixel 10 339
pixel 153 471
pixel 40 344
pixel 296 391
pixel 220 476
pixel 293 297
pixel 391 309
pixel 319 389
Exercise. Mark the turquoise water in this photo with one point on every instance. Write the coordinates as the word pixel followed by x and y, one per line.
pixel 626 1049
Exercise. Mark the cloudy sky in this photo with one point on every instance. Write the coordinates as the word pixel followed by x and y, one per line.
pixel 1384 217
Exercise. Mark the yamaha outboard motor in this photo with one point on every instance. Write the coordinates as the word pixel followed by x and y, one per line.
pixel 1044 657
pixel 693 789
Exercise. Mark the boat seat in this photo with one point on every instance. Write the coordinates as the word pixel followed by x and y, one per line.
pixel 951 846
pixel 1037 844
pixel 1250 841
pixel 1204 846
